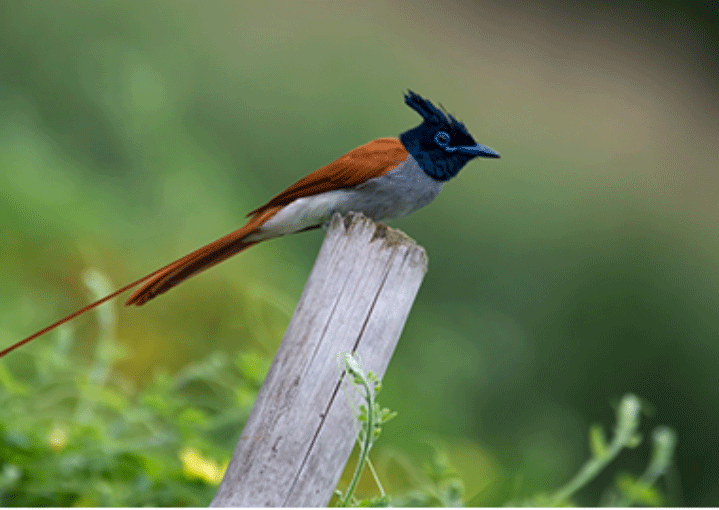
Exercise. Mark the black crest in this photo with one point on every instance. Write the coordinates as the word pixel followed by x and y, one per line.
pixel 432 114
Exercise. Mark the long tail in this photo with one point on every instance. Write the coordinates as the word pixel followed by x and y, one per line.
pixel 75 314
pixel 173 273
pixel 189 265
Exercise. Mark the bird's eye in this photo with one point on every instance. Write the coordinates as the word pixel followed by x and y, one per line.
pixel 441 138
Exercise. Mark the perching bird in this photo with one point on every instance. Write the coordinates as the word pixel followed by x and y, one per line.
pixel 383 179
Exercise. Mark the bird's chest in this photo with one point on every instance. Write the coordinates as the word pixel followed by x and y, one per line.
pixel 399 192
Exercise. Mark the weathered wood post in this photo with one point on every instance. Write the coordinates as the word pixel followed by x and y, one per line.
pixel 300 432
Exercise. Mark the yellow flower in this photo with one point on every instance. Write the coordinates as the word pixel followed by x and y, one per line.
pixel 196 466
pixel 57 439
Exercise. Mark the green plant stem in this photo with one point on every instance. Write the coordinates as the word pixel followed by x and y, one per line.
pixel 365 447
pixel 628 422
pixel 664 444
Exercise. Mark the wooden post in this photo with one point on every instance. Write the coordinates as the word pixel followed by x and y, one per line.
pixel 300 432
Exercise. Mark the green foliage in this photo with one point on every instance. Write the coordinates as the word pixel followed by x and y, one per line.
pixel 441 484
pixel 371 416
pixel 75 433
pixel 628 489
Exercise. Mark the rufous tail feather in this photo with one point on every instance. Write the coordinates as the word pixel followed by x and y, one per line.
pixel 188 266
pixel 200 259
pixel 173 273
pixel 76 313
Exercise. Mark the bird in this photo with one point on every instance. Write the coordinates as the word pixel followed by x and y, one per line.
pixel 386 178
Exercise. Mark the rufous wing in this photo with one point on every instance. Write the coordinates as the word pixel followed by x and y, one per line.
pixel 357 166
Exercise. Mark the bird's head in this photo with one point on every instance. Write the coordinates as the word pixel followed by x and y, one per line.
pixel 441 145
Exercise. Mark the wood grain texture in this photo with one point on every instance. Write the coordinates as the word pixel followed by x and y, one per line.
pixel 301 430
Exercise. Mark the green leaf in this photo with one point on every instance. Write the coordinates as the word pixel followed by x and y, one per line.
pixel 597 441
pixel 635 440
pixel 387 415
pixel 637 492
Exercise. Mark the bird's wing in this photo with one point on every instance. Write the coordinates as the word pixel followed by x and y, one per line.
pixel 357 166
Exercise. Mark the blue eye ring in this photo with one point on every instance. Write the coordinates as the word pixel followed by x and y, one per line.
pixel 441 138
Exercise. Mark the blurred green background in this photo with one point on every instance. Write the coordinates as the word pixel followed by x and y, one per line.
pixel 580 266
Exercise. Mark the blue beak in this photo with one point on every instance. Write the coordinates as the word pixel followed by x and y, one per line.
pixel 478 150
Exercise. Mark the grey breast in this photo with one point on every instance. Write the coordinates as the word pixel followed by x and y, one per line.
pixel 399 192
